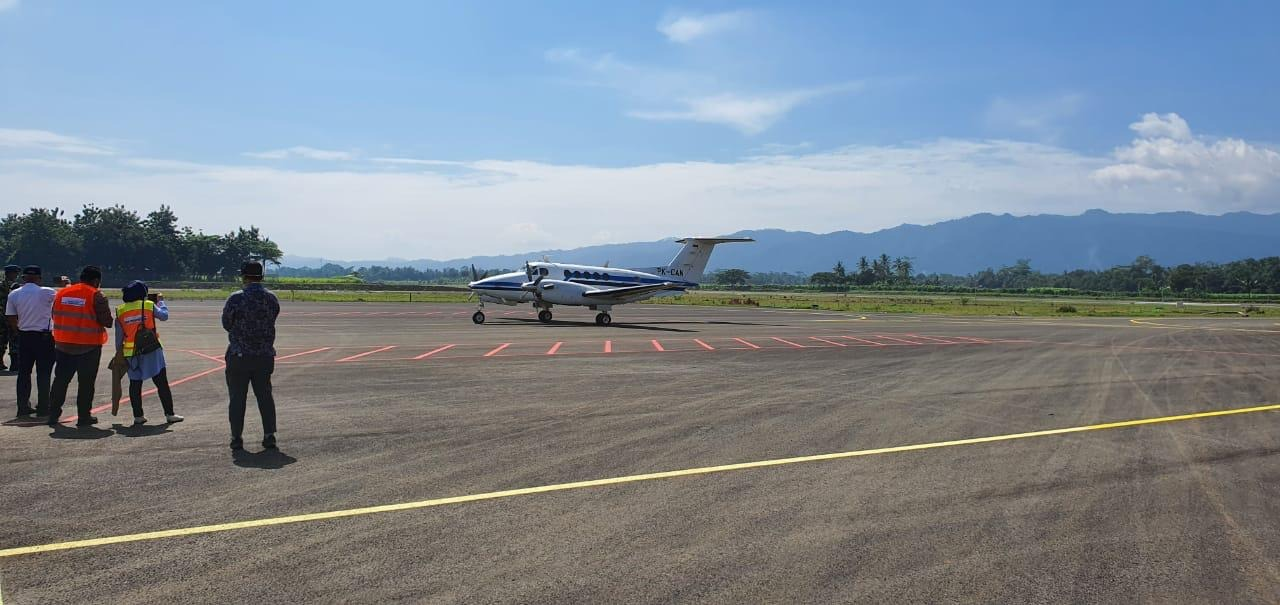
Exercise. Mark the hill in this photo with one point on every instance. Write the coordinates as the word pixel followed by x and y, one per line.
pixel 1094 240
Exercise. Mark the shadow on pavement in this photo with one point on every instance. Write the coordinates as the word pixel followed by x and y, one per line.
pixel 27 422
pixel 266 459
pixel 86 432
pixel 145 430
pixel 616 326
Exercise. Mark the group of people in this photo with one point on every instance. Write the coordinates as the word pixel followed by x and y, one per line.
pixel 60 335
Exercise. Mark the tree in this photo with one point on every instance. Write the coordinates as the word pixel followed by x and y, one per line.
pixel 865 275
pixel 42 237
pixel 902 269
pixel 839 271
pixel 824 279
pixel 732 277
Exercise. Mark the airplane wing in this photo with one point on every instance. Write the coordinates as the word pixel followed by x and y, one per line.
pixel 628 291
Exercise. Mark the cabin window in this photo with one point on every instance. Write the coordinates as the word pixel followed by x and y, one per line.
pixel 542 271
pixel 606 277
pixel 577 274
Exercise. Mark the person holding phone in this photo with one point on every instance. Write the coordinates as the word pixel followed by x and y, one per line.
pixel 138 343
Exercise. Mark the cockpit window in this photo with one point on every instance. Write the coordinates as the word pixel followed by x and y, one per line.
pixel 567 274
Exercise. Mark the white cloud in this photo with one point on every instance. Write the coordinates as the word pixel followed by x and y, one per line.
pixel 386 209
pixel 684 29
pixel 696 96
pixel 7 4
pixel 1166 155
pixel 750 114
pixel 306 153
pixel 1169 126
pixel 1041 116
pixel 44 140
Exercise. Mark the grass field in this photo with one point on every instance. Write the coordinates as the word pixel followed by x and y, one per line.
pixel 940 304
pixel 929 304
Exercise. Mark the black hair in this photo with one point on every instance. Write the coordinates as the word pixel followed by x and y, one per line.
pixel 90 273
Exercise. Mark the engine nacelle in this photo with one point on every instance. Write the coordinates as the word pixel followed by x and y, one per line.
pixel 559 292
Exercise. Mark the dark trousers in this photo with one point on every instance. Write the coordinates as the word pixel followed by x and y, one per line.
pixel 83 366
pixel 161 381
pixel 241 373
pixel 39 355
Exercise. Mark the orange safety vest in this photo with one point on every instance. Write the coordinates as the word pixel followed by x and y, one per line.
pixel 133 315
pixel 74 320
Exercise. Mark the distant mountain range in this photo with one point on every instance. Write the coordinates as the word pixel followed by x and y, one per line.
pixel 1094 240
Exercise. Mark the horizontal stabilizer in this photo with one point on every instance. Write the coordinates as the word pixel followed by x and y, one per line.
pixel 631 290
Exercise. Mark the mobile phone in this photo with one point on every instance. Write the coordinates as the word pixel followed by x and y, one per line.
pixel 154 297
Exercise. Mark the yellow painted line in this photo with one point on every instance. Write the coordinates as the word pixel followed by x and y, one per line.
pixel 1143 322
pixel 558 487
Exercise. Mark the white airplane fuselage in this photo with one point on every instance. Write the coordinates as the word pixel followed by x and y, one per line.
pixel 547 284
pixel 567 285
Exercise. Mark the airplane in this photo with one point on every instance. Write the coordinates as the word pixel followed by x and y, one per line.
pixel 546 284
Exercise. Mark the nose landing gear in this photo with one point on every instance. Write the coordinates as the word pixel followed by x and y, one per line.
pixel 603 319
pixel 478 317
pixel 544 316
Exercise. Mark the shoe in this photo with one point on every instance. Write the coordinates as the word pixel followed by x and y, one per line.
pixel 90 421
pixel 26 414
pixel 139 420
pixel 237 444
pixel 174 418
pixel 269 441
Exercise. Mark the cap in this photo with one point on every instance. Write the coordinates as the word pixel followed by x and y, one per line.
pixel 31 270
pixel 251 268
pixel 12 268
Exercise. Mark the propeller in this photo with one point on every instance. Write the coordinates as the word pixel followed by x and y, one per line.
pixel 533 287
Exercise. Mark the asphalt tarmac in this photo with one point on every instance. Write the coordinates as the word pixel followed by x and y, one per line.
pixel 394 404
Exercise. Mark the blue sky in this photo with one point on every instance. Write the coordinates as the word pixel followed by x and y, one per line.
pixel 441 130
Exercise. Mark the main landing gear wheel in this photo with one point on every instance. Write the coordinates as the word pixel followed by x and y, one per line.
pixel 478 317
pixel 603 319
pixel 544 316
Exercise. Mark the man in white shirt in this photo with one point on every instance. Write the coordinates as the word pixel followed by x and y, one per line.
pixel 29 312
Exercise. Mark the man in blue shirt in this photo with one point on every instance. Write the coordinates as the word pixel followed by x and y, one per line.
pixel 249 317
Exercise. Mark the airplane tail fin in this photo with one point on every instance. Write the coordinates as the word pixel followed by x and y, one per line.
pixel 691 261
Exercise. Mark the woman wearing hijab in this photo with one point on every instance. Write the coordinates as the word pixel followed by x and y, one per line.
pixel 138 342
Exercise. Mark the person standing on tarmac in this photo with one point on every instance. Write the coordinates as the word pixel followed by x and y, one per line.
pixel 143 355
pixel 81 316
pixel 29 313
pixel 8 338
pixel 249 317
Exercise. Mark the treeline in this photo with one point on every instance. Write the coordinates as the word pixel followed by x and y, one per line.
pixel 1143 275
pixel 127 245
pixel 378 273
pixel 881 270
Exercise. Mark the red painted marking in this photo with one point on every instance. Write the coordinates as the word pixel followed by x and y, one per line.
pixel 554 348
pixel 977 340
pixel 831 342
pixel 304 353
pixel 657 346
pixel 865 341
pixel 497 350
pixel 704 345
pixel 934 339
pixel 209 357
pixel 608 346
pixel 901 340
pixel 747 343
pixel 434 351
pixel 107 406
pixel 798 346
pixel 366 353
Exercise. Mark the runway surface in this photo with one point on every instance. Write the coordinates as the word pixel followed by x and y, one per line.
pixel 685 454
